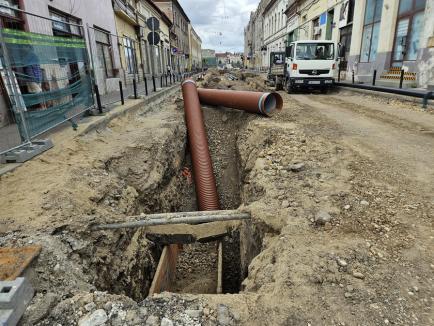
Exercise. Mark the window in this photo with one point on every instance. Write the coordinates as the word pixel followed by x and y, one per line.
pixel 130 56
pixel 103 52
pixel 62 24
pixel 315 51
pixel 408 29
pixel 10 18
pixel 371 30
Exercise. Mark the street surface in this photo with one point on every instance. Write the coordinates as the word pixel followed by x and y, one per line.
pixel 340 187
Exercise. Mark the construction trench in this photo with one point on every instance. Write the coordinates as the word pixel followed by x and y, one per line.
pixel 329 233
pixel 191 257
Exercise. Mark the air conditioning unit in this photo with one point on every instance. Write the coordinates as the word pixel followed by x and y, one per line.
pixel 317 30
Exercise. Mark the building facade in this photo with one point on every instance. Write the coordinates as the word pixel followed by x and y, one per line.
pixel 209 59
pixel 141 52
pixel 274 29
pixel 248 42
pixel 102 45
pixel 378 35
pixel 180 47
pixel 394 35
pixel 195 59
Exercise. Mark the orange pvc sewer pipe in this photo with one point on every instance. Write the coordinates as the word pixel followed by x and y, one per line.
pixel 253 102
pixel 206 189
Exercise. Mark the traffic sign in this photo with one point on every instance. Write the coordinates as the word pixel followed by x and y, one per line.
pixel 153 38
pixel 153 24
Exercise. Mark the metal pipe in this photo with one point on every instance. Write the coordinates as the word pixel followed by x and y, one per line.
pixel 153 83
pixel 146 86
pixel 374 77
pixel 254 102
pixel 228 212
pixel 166 221
pixel 206 189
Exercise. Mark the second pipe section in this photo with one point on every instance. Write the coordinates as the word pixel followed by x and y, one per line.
pixel 253 102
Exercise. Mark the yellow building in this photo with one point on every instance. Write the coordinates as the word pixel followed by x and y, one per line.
pixel 195 44
pixel 138 57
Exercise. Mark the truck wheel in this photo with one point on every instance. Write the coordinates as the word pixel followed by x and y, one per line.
pixel 289 89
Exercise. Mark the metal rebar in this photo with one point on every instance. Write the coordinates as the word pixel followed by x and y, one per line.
pixel 401 78
pixel 176 218
pixel 121 92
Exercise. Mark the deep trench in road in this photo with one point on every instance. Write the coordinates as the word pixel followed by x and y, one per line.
pixel 197 263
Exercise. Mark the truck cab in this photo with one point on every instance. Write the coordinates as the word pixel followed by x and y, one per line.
pixel 311 64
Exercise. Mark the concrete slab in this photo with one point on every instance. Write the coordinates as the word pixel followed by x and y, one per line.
pixel 6 168
pixel 27 152
pixel 14 298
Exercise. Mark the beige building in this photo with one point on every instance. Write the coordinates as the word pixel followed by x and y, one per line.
pixel 179 37
pixel 138 57
pixel 195 58
pixel 274 29
pixel 254 47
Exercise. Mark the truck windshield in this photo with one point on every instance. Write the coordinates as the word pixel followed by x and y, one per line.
pixel 315 51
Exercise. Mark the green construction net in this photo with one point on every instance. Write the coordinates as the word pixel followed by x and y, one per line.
pixel 53 76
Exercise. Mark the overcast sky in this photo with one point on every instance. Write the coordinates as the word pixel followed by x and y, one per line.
pixel 220 23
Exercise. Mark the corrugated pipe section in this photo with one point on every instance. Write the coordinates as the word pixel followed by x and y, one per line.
pixel 253 102
pixel 206 189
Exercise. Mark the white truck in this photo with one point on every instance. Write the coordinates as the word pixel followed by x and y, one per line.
pixel 311 64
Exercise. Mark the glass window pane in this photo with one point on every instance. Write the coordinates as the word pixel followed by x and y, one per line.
pixel 369 11
pixel 378 10
pixel 420 4
pixel 400 40
pixel 414 42
pixel 374 42
pixel 366 43
pixel 405 5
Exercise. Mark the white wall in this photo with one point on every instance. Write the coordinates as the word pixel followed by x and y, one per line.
pixel 93 12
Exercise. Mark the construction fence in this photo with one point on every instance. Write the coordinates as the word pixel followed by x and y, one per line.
pixel 45 77
pixel 54 72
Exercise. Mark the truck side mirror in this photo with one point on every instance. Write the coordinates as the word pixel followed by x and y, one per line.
pixel 288 51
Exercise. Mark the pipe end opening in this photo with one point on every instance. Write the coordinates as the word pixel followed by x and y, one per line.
pixel 273 102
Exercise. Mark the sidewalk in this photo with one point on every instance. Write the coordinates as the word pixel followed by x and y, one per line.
pixel 107 100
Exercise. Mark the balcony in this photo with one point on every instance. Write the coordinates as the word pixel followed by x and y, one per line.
pixel 125 11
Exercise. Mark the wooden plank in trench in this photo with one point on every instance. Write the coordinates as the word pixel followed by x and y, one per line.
pixel 13 261
pixel 166 269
